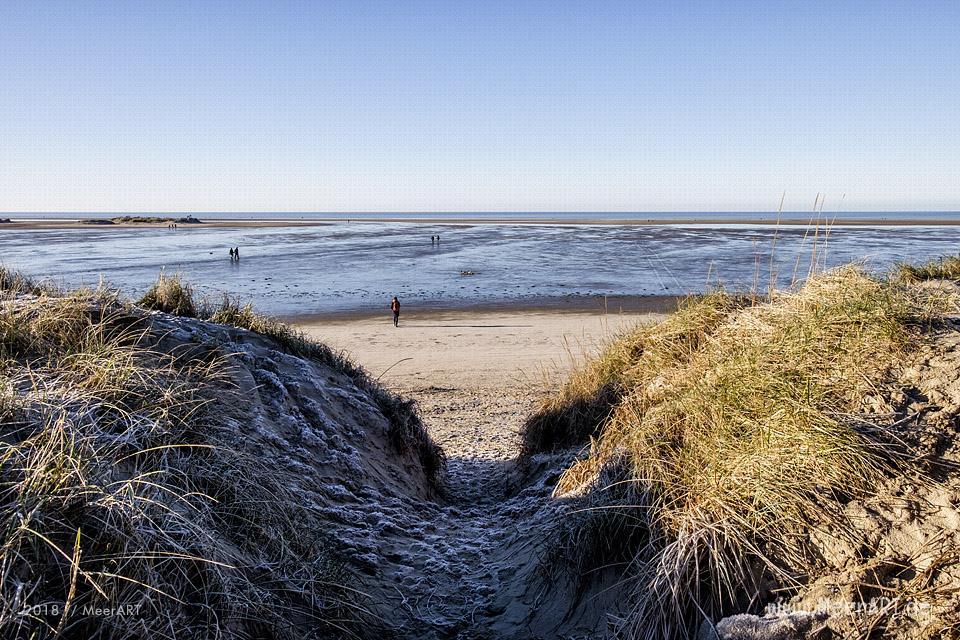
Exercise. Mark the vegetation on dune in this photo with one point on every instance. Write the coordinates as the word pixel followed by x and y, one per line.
pixel 945 268
pixel 724 431
pixel 407 432
pixel 170 294
pixel 718 439
pixel 120 490
pixel 14 282
pixel 583 404
pixel 117 492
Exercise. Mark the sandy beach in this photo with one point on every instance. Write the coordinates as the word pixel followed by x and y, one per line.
pixel 471 552
pixel 471 349
pixel 476 376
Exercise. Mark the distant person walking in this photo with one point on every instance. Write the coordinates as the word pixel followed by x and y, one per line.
pixel 395 307
pixel 231 254
pixel 236 254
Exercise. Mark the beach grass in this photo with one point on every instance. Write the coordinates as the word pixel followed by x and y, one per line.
pixel 944 268
pixel 120 492
pixel 578 411
pixel 170 294
pixel 13 282
pixel 719 435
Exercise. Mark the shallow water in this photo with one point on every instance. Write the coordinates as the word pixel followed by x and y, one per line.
pixel 346 267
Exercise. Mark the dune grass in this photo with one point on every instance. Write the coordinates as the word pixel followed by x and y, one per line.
pixel 171 294
pixel 582 405
pixel 730 428
pixel 14 282
pixel 945 268
pixel 115 491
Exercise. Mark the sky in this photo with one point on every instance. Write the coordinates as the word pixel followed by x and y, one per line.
pixel 479 106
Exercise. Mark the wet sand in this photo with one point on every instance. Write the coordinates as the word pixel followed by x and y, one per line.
pixel 657 305
pixel 342 268
pixel 794 222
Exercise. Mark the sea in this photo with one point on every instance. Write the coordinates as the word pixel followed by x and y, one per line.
pixel 353 263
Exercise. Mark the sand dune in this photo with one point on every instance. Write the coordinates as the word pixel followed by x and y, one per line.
pixel 330 470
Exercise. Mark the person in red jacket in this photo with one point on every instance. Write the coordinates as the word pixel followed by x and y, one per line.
pixel 395 307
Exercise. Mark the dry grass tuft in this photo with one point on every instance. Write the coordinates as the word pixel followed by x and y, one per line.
pixel 170 294
pixel 731 429
pixel 945 268
pixel 14 282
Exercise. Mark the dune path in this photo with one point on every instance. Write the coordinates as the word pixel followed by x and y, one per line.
pixel 467 565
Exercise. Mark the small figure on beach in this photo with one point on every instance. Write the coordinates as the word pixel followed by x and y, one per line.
pixel 231 254
pixel 236 254
pixel 395 307
pixel 433 240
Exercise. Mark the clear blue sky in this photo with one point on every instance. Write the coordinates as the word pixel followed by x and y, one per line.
pixel 458 106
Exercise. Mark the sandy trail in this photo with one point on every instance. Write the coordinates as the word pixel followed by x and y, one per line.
pixel 461 568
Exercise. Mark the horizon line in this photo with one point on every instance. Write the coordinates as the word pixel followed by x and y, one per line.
pixel 476 212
